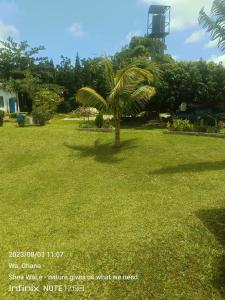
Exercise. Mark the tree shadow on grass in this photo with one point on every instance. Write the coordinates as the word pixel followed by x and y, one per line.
pixel 214 220
pixel 192 167
pixel 103 152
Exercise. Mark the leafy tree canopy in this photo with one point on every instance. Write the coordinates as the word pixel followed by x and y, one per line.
pixel 15 58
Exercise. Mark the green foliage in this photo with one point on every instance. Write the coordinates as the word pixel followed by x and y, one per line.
pixel 13 115
pixel 45 105
pixel 2 114
pixel 130 90
pixel 16 58
pixel 99 120
pixel 199 84
pixel 139 47
pixel 214 23
pixel 180 125
pixel 186 125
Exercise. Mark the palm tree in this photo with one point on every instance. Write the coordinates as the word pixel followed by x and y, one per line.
pixel 215 23
pixel 129 89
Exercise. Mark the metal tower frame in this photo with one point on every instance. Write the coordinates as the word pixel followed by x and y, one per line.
pixel 158 10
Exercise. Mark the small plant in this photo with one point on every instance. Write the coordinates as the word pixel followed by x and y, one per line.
pixel 21 118
pixel 2 114
pixel 180 125
pixel 13 115
pixel 99 121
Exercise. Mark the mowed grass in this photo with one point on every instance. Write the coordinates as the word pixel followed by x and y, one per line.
pixel 153 208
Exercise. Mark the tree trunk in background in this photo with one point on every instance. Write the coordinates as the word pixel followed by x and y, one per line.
pixel 117 133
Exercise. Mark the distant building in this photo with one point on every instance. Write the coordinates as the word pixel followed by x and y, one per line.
pixel 8 101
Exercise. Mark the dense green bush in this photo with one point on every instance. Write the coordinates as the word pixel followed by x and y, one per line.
pixel 2 114
pixel 180 125
pixel 44 106
pixel 206 129
pixel 99 121
pixel 186 125
pixel 41 114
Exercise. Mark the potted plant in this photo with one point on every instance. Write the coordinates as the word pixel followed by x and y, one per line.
pixel 21 118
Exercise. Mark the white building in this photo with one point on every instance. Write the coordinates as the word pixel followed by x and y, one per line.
pixel 8 101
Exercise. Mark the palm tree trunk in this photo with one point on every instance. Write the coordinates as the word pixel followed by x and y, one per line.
pixel 117 133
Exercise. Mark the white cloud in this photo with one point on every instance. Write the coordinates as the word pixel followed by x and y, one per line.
pixel 195 37
pixel 184 13
pixel 218 59
pixel 176 57
pixel 212 44
pixel 8 30
pixel 131 34
pixel 76 30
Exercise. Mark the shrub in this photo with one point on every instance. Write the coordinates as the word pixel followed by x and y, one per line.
pixel 41 114
pixel 180 125
pixel 2 114
pixel 44 106
pixel 186 125
pixel 13 115
pixel 99 121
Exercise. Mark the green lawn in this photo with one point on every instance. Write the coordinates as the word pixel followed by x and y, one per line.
pixel 155 208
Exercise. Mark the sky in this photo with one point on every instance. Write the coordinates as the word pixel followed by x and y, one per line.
pixel 102 27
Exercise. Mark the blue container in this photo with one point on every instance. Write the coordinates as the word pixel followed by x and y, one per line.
pixel 20 118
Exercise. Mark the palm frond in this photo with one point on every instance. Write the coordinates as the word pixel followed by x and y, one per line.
pixel 215 25
pixel 89 97
pixel 218 10
pixel 143 94
pixel 140 98
pixel 129 78
pixel 155 70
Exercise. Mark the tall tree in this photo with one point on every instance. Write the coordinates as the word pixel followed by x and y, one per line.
pixel 139 47
pixel 78 73
pixel 128 88
pixel 15 58
pixel 65 76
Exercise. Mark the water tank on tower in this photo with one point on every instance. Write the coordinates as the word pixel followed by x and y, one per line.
pixel 158 22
